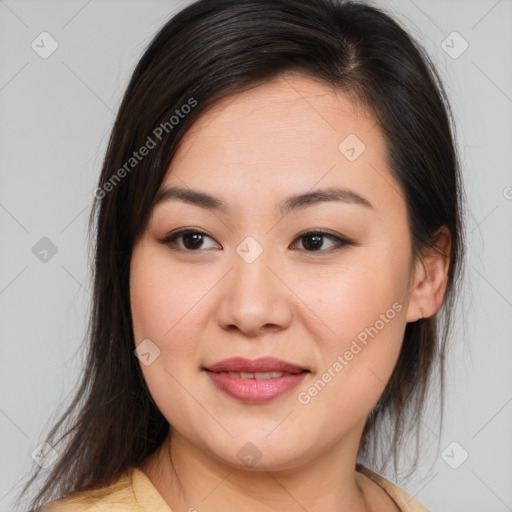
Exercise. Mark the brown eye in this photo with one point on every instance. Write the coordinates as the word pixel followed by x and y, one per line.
pixel 191 240
pixel 313 241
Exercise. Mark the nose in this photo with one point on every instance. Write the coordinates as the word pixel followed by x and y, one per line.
pixel 253 298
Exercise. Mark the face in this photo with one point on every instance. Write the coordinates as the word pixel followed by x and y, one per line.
pixel 246 280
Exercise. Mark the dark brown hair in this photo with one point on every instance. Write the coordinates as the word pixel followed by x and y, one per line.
pixel 208 51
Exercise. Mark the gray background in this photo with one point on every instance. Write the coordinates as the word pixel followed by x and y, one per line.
pixel 56 114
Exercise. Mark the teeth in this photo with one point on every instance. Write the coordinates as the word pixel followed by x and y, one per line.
pixel 257 375
pixel 268 375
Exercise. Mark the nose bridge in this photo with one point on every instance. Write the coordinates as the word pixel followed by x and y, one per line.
pixel 253 296
pixel 250 249
pixel 251 272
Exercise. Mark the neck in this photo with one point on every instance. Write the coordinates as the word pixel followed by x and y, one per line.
pixel 197 480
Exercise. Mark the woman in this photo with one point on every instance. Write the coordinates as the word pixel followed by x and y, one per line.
pixel 278 231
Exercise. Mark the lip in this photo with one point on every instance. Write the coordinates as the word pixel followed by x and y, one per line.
pixel 263 364
pixel 255 391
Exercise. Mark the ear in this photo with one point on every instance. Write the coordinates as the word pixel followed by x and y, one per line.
pixel 430 278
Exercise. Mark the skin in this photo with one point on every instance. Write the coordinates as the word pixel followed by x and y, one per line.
pixel 253 150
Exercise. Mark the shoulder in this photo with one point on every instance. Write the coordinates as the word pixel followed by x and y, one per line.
pixel 404 501
pixel 118 496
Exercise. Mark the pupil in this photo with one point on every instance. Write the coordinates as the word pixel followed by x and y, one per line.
pixel 194 245
pixel 317 244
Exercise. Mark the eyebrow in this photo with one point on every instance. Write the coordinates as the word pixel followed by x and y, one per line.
pixel 292 203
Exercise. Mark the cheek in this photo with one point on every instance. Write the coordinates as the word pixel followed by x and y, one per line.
pixel 360 314
pixel 353 296
pixel 163 311
pixel 357 361
pixel 164 298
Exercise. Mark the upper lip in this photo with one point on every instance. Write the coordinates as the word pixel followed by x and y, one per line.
pixel 263 364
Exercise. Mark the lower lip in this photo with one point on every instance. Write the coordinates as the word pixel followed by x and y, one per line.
pixel 254 391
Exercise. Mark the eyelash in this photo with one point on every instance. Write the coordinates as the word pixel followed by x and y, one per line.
pixel 341 242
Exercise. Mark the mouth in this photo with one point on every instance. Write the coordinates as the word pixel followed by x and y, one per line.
pixel 257 375
pixel 255 381
pixel 261 365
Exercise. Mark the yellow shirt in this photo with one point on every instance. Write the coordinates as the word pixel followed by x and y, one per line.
pixel 134 492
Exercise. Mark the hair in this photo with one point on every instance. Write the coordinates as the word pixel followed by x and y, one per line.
pixel 211 50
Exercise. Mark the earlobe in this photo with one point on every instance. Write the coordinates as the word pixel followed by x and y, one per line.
pixel 431 278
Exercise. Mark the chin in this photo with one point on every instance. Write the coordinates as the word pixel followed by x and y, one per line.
pixel 260 454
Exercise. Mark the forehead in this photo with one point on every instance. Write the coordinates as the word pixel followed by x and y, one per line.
pixel 285 137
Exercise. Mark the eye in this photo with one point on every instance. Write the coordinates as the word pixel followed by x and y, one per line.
pixel 313 241
pixel 192 240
